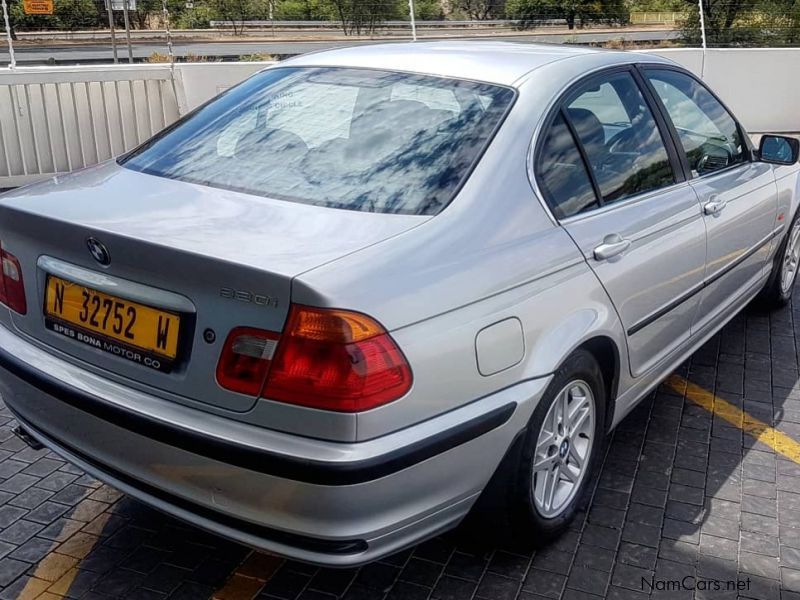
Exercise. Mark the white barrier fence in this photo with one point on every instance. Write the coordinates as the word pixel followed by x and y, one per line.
pixel 57 119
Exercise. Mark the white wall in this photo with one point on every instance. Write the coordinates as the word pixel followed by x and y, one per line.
pixel 202 81
pixel 59 119
pixel 760 85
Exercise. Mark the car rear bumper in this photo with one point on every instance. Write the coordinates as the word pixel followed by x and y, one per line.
pixel 325 502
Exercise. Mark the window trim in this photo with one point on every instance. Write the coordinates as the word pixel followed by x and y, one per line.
pixel 598 196
pixel 690 176
pixel 559 106
pixel 630 200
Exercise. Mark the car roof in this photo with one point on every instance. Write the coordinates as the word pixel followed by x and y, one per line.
pixel 494 62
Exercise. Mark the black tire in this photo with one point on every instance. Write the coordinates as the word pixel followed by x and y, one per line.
pixel 527 524
pixel 507 510
pixel 773 295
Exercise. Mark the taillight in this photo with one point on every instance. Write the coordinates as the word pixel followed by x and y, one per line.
pixel 12 288
pixel 245 359
pixel 330 359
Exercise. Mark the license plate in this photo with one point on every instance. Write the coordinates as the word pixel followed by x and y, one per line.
pixel 128 329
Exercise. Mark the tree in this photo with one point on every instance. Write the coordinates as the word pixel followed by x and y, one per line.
pixel 479 10
pixel 429 10
pixel 720 17
pixel 149 13
pixel 68 15
pixel 234 11
pixel 303 10
pixel 362 16
pixel 577 13
pixel 12 20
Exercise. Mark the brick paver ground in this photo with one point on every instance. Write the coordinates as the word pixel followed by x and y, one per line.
pixel 682 494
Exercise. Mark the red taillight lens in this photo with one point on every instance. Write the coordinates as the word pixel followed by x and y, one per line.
pixel 12 288
pixel 245 359
pixel 330 359
pixel 336 360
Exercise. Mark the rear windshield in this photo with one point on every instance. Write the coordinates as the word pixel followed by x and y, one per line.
pixel 357 139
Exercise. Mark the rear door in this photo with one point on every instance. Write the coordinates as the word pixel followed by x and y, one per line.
pixel 613 179
pixel 738 195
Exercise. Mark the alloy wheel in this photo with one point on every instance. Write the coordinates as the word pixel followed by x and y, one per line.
pixel 563 448
pixel 791 258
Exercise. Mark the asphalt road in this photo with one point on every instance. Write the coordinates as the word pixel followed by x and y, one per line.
pixel 101 52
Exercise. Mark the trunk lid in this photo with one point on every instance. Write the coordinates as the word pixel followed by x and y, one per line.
pixel 219 259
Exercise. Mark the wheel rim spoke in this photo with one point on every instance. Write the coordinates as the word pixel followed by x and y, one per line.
pixel 574 457
pixel 564 406
pixel 550 488
pixel 544 443
pixel 545 464
pixel 569 475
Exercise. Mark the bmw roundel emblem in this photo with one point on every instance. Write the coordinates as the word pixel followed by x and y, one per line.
pixel 98 251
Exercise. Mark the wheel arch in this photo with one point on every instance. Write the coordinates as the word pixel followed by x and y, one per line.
pixel 607 355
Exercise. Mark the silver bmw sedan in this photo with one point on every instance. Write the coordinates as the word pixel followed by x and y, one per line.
pixel 333 310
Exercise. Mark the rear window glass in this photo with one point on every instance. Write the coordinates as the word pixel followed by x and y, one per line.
pixel 356 139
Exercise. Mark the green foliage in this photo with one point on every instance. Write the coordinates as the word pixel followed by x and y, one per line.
pixel 657 5
pixel 478 9
pixel 428 10
pixel 303 10
pixel 68 16
pixel 745 23
pixel 199 17
pixel 259 57
pixel 149 15
pixel 728 22
pixel 720 17
pixel 362 16
pixel 577 13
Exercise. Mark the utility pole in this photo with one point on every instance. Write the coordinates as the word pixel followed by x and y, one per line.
pixel 12 62
pixel 702 37
pixel 110 11
pixel 127 30
pixel 413 21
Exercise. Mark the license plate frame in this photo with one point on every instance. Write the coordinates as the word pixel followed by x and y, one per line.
pixel 152 339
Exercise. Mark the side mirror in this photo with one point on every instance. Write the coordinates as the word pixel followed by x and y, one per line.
pixel 778 150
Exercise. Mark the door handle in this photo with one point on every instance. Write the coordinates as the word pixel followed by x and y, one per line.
pixel 714 205
pixel 613 244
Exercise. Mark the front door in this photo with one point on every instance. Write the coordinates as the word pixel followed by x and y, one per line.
pixel 738 196
pixel 613 179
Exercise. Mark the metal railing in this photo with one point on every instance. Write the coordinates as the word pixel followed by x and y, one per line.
pixel 388 24
pixel 56 120
pixel 656 17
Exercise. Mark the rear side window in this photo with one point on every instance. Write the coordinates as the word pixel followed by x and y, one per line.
pixel 357 139
pixel 562 173
pixel 620 137
pixel 708 133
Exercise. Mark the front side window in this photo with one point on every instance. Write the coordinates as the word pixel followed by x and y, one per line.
pixel 708 133
pixel 357 139
pixel 620 137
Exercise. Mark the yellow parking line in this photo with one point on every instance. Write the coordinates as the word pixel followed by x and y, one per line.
pixel 56 572
pixel 780 442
